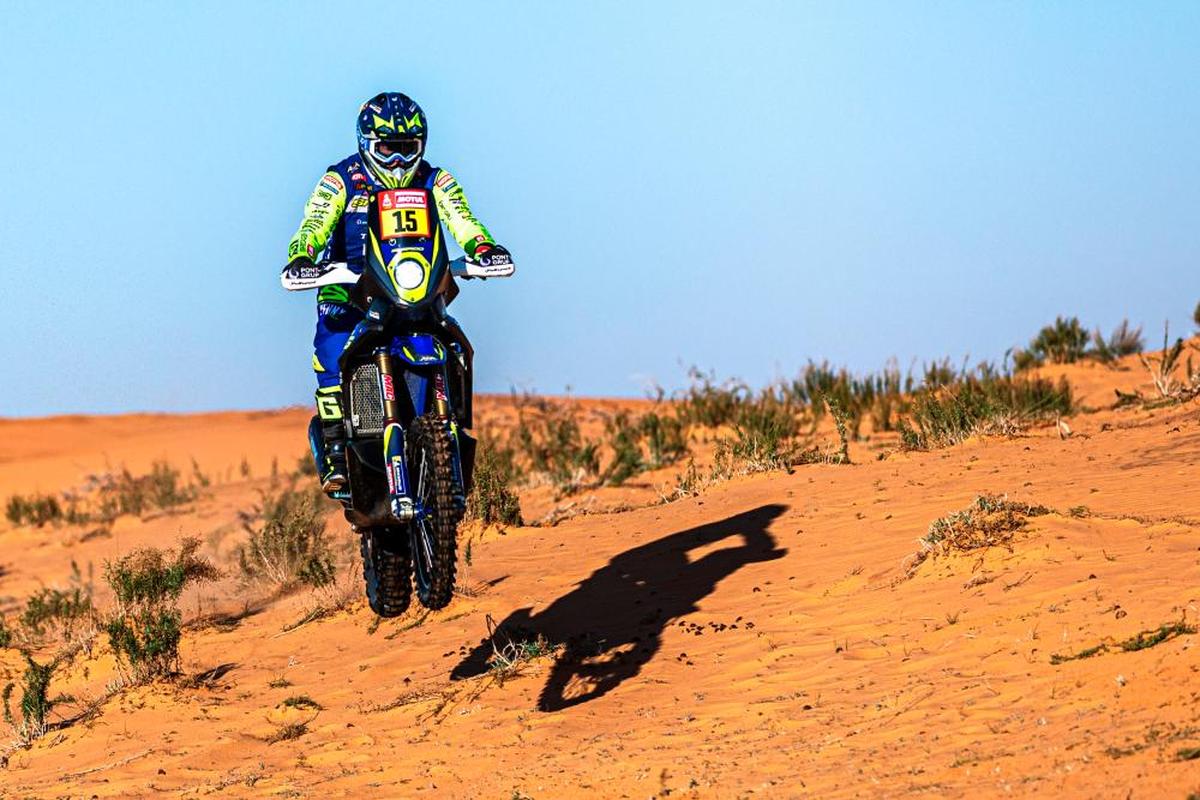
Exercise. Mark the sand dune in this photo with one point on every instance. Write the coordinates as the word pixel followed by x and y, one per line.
pixel 768 638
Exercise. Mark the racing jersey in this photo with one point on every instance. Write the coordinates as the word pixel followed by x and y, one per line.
pixel 335 216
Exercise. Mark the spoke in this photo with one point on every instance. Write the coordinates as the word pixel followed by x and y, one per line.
pixel 422 472
pixel 426 543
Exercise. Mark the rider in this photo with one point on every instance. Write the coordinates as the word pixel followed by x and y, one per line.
pixel 392 132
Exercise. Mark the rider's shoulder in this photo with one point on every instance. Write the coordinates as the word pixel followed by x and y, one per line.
pixel 348 166
pixel 442 178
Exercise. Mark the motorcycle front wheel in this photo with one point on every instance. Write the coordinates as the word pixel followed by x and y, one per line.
pixel 435 533
pixel 385 556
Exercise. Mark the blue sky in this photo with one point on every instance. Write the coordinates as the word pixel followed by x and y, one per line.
pixel 737 186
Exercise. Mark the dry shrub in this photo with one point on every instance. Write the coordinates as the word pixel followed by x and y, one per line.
pixel 1164 371
pixel 990 521
pixel 513 650
pixel 288 546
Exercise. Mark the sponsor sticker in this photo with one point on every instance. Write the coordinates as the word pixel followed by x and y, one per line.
pixel 402 198
pixel 443 178
pixel 389 390
pixel 333 181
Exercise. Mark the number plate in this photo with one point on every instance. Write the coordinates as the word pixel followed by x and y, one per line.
pixel 403 213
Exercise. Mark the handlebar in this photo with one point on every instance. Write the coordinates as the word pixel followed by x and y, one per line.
pixel 329 272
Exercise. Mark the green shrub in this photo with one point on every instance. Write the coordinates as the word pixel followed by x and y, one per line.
pixel 651 441
pixel 35 705
pixel 1196 316
pixel 491 500
pixel 288 547
pixel 549 437
pixel 62 613
pixel 665 438
pixel 6 636
pixel 36 509
pixel 709 404
pixel 762 440
pixel 1064 342
pixel 1123 341
pixel 146 628
pixel 624 439
pixel 160 489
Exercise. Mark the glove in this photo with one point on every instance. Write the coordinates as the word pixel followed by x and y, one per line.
pixel 487 255
pixel 298 265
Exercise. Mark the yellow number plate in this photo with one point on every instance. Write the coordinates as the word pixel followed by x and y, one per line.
pixel 403 213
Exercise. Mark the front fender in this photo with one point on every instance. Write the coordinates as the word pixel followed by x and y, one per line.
pixel 419 349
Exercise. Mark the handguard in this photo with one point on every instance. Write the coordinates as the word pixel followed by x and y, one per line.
pixel 297 278
pixel 463 268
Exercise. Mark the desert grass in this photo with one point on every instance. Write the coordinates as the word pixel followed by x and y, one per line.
pixel 1142 640
pixel 986 403
pixel 108 496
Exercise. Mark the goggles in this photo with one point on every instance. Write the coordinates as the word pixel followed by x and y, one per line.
pixel 390 152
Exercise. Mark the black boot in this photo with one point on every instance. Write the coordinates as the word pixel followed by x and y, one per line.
pixel 334 476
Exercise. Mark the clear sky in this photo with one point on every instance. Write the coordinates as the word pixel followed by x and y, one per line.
pixel 740 186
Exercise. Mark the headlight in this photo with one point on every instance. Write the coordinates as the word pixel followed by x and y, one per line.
pixel 409 275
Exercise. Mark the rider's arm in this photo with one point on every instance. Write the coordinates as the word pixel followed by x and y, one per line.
pixel 321 214
pixel 468 231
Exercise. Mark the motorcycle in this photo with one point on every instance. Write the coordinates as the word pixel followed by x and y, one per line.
pixel 406 390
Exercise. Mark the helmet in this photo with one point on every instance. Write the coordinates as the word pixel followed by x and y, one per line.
pixel 391 137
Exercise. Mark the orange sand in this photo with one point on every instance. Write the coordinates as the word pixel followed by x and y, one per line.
pixel 759 640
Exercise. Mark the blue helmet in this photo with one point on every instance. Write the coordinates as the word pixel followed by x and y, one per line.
pixel 391 137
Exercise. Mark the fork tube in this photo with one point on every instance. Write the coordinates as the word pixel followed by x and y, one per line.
pixel 393 433
pixel 441 400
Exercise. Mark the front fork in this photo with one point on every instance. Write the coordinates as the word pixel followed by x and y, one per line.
pixel 399 481
pixel 442 404
pixel 399 490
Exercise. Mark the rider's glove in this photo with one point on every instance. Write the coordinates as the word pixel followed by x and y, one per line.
pixel 487 255
pixel 296 266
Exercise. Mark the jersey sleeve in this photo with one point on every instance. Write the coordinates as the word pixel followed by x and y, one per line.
pixel 321 214
pixel 466 229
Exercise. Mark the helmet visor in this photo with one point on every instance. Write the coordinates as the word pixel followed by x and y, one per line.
pixel 391 152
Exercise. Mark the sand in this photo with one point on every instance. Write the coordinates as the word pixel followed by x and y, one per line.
pixel 768 638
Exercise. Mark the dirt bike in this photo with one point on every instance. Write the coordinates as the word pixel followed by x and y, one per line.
pixel 406 389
